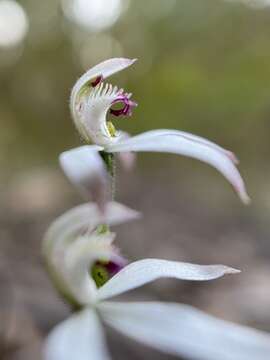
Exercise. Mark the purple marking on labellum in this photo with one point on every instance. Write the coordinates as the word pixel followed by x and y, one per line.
pixel 127 108
pixel 97 81
pixel 112 267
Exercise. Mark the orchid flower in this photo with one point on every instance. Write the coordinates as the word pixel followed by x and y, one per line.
pixel 89 270
pixel 91 101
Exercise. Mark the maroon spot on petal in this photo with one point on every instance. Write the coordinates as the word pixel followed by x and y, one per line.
pixel 97 81
pixel 112 267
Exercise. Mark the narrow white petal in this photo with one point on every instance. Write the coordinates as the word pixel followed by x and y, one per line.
pixel 177 142
pixel 80 337
pixel 189 136
pixel 144 271
pixel 86 170
pixel 182 330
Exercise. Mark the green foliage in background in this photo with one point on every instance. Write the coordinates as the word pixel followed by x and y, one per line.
pixel 203 67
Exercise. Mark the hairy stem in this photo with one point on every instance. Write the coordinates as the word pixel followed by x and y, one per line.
pixel 109 160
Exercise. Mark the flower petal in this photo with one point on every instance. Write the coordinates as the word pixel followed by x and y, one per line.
pixel 103 69
pixel 81 88
pixel 182 330
pixel 66 229
pixel 86 170
pixel 127 159
pixel 86 217
pixel 80 337
pixel 144 271
pixel 79 258
pixel 173 141
pixel 189 136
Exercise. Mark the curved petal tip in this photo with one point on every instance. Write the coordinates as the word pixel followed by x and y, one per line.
pixel 229 270
pixel 182 143
pixel 243 195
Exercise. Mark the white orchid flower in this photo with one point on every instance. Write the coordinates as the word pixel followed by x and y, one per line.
pixel 88 271
pixel 92 99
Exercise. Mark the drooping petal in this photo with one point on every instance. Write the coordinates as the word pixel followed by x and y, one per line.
pixel 182 330
pixel 127 159
pixel 176 142
pixel 80 337
pixel 144 271
pixel 68 228
pixel 86 170
pixel 184 134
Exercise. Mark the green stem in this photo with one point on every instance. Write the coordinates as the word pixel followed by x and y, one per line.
pixel 109 159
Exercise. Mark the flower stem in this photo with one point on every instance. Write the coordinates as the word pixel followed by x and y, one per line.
pixel 109 159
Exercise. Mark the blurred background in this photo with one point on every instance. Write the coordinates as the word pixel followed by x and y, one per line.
pixel 204 67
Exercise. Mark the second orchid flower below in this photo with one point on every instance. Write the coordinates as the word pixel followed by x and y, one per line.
pixel 89 272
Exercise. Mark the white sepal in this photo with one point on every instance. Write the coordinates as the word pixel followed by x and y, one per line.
pixel 176 142
pixel 84 218
pixel 144 271
pixel 127 159
pixel 184 331
pixel 79 337
pixel 86 170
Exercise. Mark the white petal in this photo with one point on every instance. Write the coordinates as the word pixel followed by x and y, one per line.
pixel 80 337
pixel 182 330
pixel 127 159
pixel 173 141
pixel 66 229
pixel 195 138
pixel 104 69
pixel 86 170
pixel 79 259
pixel 86 217
pixel 80 92
pixel 144 271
